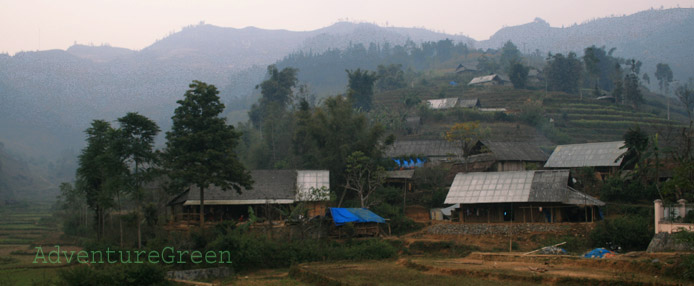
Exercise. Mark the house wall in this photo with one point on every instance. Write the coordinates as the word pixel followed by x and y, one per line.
pixel 316 208
pixel 664 223
pixel 522 213
pixel 507 166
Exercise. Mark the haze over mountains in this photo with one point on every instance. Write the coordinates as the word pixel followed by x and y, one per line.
pixel 49 97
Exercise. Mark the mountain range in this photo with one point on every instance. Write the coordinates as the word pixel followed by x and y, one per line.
pixel 49 97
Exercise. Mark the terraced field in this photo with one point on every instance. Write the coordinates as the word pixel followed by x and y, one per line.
pixel 21 229
pixel 576 119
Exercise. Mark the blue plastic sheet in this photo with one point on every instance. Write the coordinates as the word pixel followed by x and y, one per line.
pixel 597 253
pixel 345 215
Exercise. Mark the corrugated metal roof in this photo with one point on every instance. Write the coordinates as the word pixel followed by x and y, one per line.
pixel 515 187
pixel 428 148
pixel 400 174
pixel 469 103
pixel 443 103
pixel 602 154
pixel 516 151
pixel 483 79
pixel 274 186
pixel 490 187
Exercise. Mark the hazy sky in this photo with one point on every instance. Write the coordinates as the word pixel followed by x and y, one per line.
pixel 28 25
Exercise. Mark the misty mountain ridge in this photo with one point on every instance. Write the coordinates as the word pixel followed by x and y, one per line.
pixel 50 97
pixel 651 36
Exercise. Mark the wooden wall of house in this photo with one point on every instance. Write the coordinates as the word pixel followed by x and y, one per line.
pixel 508 166
pixel 316 208
pixel 516 213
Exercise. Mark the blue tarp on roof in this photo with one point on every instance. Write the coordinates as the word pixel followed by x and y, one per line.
pixel 345 215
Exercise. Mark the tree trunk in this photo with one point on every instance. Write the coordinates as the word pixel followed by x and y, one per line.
pixel 202 208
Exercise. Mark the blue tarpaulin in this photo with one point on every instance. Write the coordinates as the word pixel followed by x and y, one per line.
pixel 345 215
pixel 597 253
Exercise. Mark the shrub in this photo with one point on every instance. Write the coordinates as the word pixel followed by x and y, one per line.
pixel 630 233
pixel 117 274
pixel 249 251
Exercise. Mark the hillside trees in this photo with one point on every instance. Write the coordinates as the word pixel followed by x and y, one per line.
pixel 363 176
pixel 487 64
pixel 509 55
pixel 135 147
pixel 97 164
pixel 563 72
pixel 632 91
pixel 270 115
pixel 361 88
pixel 518 75
pixel 663 74
pixel 200 146
pixel 326 136
pixel 599 66
pixel 390 77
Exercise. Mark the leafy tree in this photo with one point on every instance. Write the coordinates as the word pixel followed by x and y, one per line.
pixel 135 147
pixel 390 77
pixel 564 72
pixel 364 176
pixel 200 146
pixel 466 135
pixel 646 78
pixel 326 136
pixel 632 91
pixel 487 64
pixel 686 96
pixel 276 94
pixel 97 166
pixel 361 88
pixel 664 75
pixel 509 55
pixel 591 59
pixel 518 74
pixel 72 205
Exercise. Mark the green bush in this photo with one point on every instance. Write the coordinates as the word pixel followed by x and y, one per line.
pixel 250 251
pixel 614 189
pixel 683 269
pixel 117 274
pixel 399 223
pixel 630 233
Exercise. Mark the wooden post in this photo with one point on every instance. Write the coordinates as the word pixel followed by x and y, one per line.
pixel 460 215
pixel 488 214
pixel 531 214
pixel 524 221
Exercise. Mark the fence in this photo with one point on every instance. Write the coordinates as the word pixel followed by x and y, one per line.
pixel 669 218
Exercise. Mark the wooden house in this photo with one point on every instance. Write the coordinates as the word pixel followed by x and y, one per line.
pixel 604 157
pixel 492 79
pixel 519 196
pixel 272 191
pixel 510 156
